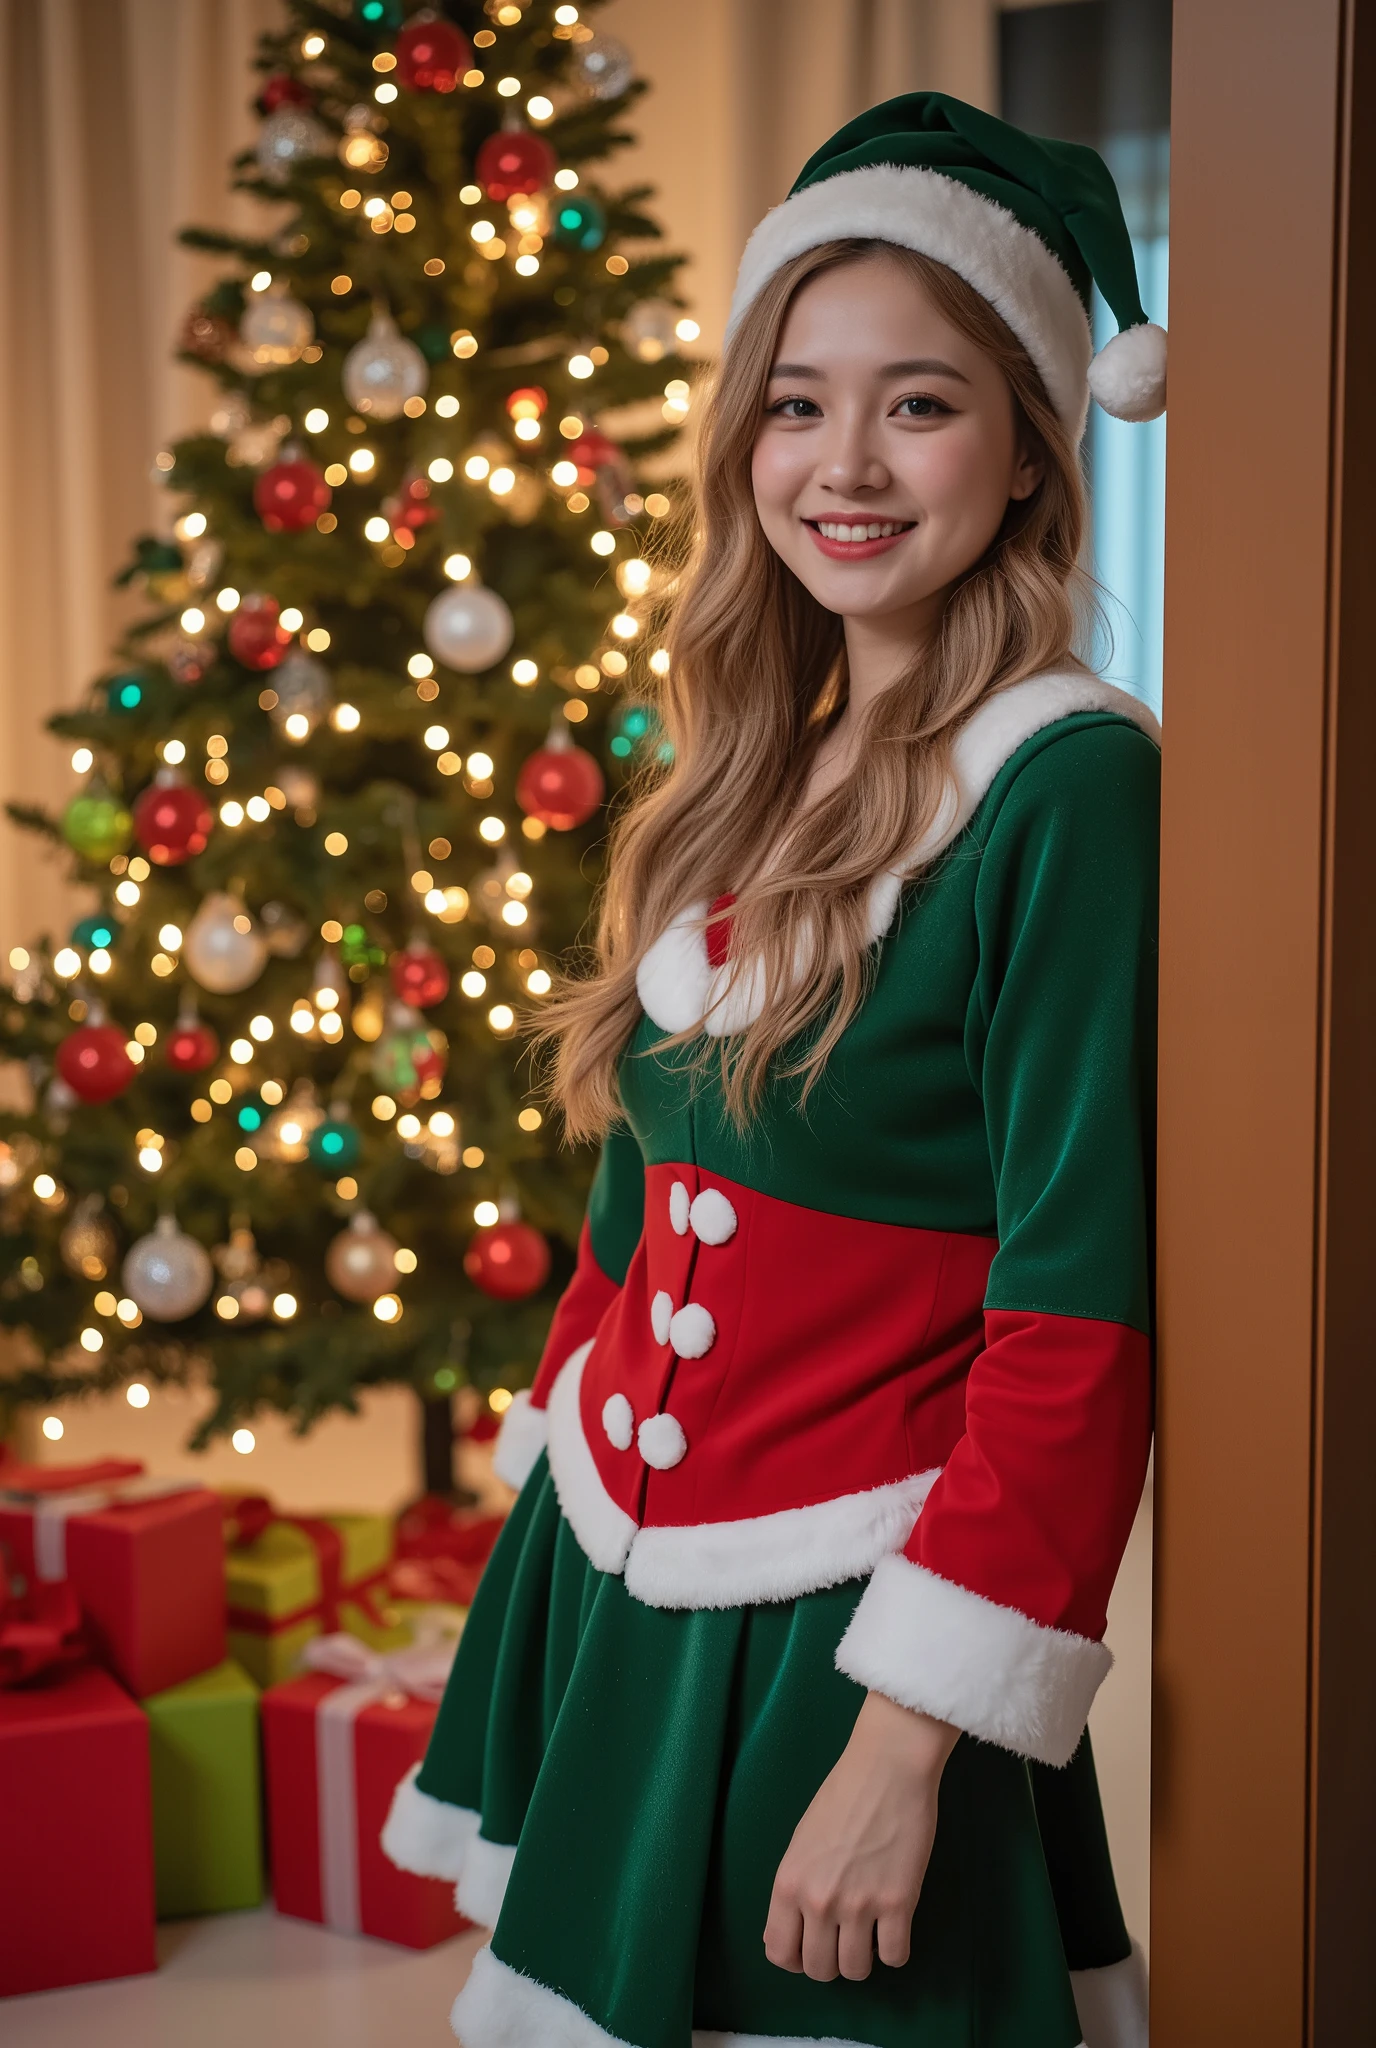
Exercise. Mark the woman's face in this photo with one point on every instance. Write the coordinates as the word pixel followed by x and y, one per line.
pixel 887 450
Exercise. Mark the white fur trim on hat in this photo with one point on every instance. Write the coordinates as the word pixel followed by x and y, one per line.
pixel 1128 376
pixel 939 1648
pixel 1003 261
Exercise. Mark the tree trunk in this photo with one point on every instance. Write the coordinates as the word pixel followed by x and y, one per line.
pixel 437 1446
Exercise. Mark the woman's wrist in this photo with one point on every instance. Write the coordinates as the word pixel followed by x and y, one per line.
pixel 909 1737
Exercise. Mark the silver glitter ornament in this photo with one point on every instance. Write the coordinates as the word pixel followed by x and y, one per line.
pixel 383 370
pixel 167 1274
pixel 289 136
pixel 604 67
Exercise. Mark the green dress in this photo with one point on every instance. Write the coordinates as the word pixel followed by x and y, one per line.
pixel 613 1782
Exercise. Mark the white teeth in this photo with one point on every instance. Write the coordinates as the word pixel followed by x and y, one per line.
pixel 834 530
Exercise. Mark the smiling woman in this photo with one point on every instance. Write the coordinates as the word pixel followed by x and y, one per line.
pixel 769 1721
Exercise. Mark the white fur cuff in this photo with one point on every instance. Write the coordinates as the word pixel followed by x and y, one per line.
pixel 483 1881
pixel 426 1836
pixel 520 1440
pixel 1112 2003
pixel 942 1650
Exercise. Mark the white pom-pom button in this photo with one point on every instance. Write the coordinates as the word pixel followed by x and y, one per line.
pixel 661 1316
pixel 678 1207
pixel 712 1217
pixel 692 1331
pixel 618 1419
pixel 661 1442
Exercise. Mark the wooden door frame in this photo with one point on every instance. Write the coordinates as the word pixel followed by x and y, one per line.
pixel 1264 1756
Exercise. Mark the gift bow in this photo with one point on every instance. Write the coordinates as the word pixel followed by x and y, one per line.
pixel 420 1669
pixel 369 1675
pixel 38 1629
pixel 250 1516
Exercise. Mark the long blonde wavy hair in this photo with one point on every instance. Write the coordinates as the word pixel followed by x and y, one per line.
pixel 757 675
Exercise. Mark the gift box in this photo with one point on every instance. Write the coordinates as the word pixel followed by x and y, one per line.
pixel 207 1795
pixel 441 1551
pixel 76 1872
pixel 144 1557
pixel 336 1742
pixel 290 1578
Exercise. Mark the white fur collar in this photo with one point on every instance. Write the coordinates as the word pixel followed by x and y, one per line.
pixel 677 984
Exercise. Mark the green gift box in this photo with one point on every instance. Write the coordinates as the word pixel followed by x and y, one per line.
pixel 207 1804
pixel 291 1577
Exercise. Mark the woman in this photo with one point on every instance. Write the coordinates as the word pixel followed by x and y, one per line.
pixel 768 1723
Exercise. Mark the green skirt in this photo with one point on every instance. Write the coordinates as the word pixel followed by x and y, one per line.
pixel 639 1774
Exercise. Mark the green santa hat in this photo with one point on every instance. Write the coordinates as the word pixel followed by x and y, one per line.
pixel 1030 224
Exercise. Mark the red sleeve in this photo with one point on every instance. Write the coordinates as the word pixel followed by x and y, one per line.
pixel 581 1308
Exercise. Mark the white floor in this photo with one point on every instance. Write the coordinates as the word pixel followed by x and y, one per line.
pixel 256 1980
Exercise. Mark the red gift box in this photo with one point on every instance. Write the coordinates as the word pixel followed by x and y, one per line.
pixel 335 1749
pixel 441 1551
pixel 76 1873
pixel 145 1558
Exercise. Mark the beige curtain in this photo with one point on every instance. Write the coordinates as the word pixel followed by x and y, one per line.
pixel 119 118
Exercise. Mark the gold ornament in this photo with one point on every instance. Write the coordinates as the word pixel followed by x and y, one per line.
pixel 88 1245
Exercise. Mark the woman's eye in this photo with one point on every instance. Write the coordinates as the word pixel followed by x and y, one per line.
pixel 928 408
pixel 778 408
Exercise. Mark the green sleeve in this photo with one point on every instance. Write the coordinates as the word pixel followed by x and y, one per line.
pixel 616 1203
pixel 1061 1032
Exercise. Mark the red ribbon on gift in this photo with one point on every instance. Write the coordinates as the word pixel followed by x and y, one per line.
pixel 248 1517
pixel 40 1628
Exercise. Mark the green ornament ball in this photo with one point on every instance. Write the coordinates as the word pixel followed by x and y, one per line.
pixel 379 13
pixel 97 826
pixel 126 693
pixel 334 1145
pixel 97 931
pixel 579 224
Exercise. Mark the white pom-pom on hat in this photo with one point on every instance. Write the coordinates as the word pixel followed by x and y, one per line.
pixel 1128 376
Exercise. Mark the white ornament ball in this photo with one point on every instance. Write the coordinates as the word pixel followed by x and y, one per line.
pixel 361 1263
pixel 167 1273
pixel 468 627
pixel 604 66
pixel 289 137
pixel 304 690
pixel 383 370
pixel 648 329
pixel 276 328
pixel 224 950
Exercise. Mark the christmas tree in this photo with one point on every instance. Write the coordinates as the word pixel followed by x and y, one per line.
pixel 266 1115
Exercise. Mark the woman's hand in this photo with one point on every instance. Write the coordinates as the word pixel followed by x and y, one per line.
pixel 859 1854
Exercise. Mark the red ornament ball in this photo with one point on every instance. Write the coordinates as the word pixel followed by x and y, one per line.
pixel 430 1060
pixel 561 786
pixel 172 822
pixel 256 637
pixel 291 495
pixel 420 977
pixel 593 450
pixel 432 55
pixel 94 1064
pixel 282 90
pixel 412 506
pixel 514 161
pixel 508 1261
pixel 191 1046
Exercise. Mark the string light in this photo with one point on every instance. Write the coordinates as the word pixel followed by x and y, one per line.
pixel 440 470
pixel 387 1308
pixel 92 1340
pixel 420 665
pixel 448 405
pixel 244 1441
pixel 52 1429
pixel 485 1214
pixel 581 366
pixel 193 620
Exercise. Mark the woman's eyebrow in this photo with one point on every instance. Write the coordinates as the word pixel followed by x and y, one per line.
pixel 919 366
